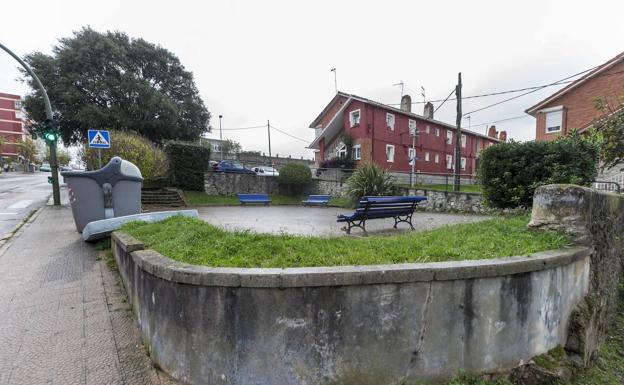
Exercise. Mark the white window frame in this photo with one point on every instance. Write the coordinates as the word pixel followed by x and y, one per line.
pixel 390 159
pixel 463 140
pixel 436 158
pixel 357 152
pixel 411 155
pixel 18 115
pixel 426 157
pixel 17 104
pixel 463 163
pixel 437 131
pixel 449 162
pixel 390 121
pixel 341 150
pixel 449 136
pixel 352 121
pixel 411 124
pixel 427 129
pixel 551 111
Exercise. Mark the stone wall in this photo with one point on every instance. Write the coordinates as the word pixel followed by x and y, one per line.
pixel 596 219
pixel 365 325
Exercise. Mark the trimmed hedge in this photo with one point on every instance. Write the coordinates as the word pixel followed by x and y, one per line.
pixel 510 172
pixel 187 165
pixel 294 177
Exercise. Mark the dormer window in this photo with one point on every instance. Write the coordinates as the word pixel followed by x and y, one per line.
pixel 354 118
pixel 554 121
pixel 390 121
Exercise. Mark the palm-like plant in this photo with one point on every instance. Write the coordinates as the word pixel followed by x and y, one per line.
pixel 371 180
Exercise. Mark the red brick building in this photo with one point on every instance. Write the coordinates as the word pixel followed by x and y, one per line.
pixel 382 135
pixel 11 123
pixel 572 107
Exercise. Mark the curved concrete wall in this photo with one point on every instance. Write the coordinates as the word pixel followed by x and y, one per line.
pixel 350 325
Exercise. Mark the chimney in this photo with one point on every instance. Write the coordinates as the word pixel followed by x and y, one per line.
pixel 428 112
pixel 406 103
pixel 502 136
pixel 492 132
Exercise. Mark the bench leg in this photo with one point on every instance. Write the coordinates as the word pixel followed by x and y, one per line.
pixel 408 220
pixel 361 224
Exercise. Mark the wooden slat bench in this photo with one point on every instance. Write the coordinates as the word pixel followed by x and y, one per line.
pixel 399 208
pixel 317 200
pixel 254 199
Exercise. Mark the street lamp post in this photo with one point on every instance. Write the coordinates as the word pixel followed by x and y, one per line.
pixel 220 137
pixel 48 109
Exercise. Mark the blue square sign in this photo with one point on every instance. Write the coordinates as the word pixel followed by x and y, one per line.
pixel 99 139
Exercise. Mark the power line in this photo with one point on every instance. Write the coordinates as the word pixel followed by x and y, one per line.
pixel 500 120
pixel 447 98
pixel 243 128
pixel 287 134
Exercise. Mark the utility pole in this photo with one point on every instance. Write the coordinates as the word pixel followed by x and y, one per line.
pixel 51 129
pixel 335 79
pixel 220 138
pixel 269 134
pixel 457 170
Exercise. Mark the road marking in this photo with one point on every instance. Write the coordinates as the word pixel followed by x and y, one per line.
pixel 21 204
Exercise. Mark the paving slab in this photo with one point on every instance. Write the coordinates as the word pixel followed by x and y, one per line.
pixel 65 318
pixel 315 221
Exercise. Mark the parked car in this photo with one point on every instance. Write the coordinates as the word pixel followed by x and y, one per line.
pixel 45 167
pixel 232 166
pixel 65 168
pixel 265 171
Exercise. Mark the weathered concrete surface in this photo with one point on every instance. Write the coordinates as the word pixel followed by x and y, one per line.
pixel 350 325
pixel 64 316
pixel 595 218
pixel 317 221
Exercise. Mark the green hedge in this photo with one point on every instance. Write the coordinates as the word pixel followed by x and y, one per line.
pixel 187 165
pixel 294 177
pixel 510 172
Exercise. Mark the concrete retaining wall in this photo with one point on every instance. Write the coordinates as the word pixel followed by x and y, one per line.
pixel 350 325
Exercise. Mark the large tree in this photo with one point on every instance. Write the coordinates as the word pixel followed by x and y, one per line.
pixel 108 80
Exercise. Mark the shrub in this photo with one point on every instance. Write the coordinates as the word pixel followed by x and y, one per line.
pixel 294 177
pixel 510 172
pixel 371 180
pixel 187 164
pixel 343 162
pixel 130 146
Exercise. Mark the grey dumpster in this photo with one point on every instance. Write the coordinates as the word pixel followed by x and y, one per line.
pixel 112 191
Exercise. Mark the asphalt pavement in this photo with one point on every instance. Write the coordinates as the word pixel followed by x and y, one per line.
pixel 20 194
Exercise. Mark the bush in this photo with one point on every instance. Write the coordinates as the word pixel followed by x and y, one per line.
pixel 510 172
pixel 343 162
pixel 370 180
pixel 187 164
pixel 130 146
pixel 294 177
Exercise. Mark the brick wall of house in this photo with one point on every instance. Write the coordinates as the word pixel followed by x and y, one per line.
pixel 578 103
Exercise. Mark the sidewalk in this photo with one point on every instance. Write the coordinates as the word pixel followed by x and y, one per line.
pixel 64 318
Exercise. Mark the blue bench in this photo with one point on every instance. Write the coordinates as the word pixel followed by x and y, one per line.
pixel 399 208
pixel 320 200
pixel 254 198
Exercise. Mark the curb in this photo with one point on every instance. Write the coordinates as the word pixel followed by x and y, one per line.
pixel 18 229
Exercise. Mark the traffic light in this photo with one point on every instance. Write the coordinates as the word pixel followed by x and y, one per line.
pixel 49 136
pixel 50 130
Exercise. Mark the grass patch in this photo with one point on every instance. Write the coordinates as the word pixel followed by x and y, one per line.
pixel 197 242
pixel 198 198
pixel 443 187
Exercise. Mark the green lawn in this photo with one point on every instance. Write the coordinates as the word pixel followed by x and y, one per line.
pixel 443 187
pixel 197 198
pixel 197 242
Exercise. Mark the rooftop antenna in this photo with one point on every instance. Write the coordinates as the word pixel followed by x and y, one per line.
pixel 400 83
pixel 335 79
pixel 422 92
pixel 469 121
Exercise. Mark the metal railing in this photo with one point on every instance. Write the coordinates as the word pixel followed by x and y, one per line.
pixel 606 186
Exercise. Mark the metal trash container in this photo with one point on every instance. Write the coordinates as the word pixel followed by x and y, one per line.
pixel 112 191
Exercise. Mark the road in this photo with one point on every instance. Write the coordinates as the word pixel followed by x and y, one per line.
pixel 19 195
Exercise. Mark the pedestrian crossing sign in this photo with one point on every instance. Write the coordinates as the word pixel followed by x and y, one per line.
pixel 99 139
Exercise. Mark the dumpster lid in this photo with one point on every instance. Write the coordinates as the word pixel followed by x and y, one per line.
pixel 116 170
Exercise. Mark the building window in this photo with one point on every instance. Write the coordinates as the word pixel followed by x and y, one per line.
pixel 216 147
pixel 449 136
pixel 18 114
pixel 341 151
pixel 437 131
pixel 463 140
pixel 389 153
pixel 17 104
pixel 427 129
pixel 426 157
pixel 411 154
pixel 412 127
pixel 449 162
pixel 354 118
pixel 357 152
pixel 553 121
pixel 463 163
pixel 436 158
pixel 390 121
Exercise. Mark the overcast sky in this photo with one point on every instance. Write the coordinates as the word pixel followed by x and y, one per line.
pixel 259 60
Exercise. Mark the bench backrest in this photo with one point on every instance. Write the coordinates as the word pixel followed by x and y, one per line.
pixel 319 197
pixel 252 197
pixel 382 206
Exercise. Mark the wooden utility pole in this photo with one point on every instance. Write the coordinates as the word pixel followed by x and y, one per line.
pixel 458 121
pixel 269 133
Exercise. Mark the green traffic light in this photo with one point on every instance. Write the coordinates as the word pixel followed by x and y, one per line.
pixel 49 136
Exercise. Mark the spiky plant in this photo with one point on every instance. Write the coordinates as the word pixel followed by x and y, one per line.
pixel 371 180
